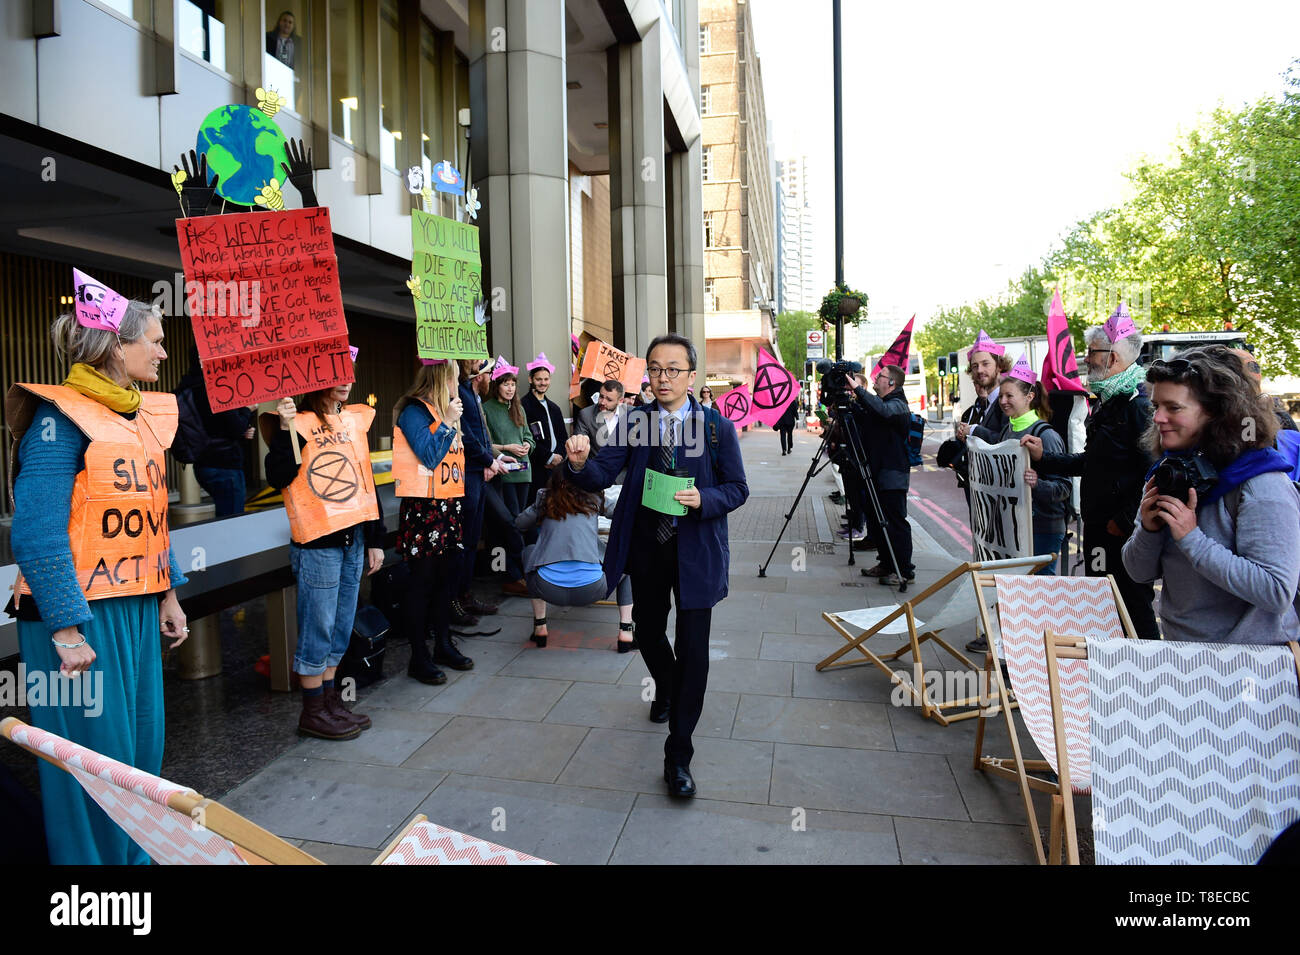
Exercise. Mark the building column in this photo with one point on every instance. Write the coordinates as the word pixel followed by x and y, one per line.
pixel 519 163
pixel 686 215
pixel 637 176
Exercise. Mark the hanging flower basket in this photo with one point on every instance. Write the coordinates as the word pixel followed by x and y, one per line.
pixel 843 303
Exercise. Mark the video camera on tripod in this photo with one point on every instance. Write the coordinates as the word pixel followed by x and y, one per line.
pixel 835 382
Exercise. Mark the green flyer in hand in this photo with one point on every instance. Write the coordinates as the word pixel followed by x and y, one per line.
pixel 657 494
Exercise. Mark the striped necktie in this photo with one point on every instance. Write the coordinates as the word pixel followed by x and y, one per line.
pixel 667 462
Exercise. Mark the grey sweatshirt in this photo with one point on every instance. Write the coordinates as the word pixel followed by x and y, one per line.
pixel 577 537
pixel 1226 585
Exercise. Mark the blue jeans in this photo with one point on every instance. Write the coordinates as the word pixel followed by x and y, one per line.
pixel 1048 544
pixel 329 581
pixel 226 487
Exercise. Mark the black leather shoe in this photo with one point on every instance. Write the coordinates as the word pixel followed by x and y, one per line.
pixel 659 712
pixel 680 782
pixel 460 617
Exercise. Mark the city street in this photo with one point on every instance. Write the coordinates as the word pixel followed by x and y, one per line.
pixel 550 752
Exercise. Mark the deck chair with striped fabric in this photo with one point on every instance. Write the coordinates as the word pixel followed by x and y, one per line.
pixel 177 826
pixel 962 596
pixel 1029 607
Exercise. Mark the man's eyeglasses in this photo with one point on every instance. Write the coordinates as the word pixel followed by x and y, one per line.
pixel 654 371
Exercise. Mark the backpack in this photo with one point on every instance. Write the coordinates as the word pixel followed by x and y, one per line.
pixel 1233 501
pixel 191 437
pixel 915 435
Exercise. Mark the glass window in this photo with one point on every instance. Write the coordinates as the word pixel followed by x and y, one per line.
pixel 209 29
pixel 392 100
pixel 431 100
pixel 710 297
pixel 708 230
pixel 284 64
pixel 346 71
pixel 706 100
pixel 706 41
pixel 141 11
pixel 706 163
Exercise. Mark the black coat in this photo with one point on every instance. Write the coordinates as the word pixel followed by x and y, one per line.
pixel 1113 465
pixel 225 429
pixel 884 424
pixel 551 420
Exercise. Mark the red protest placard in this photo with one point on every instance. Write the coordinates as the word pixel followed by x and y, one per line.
pixel 263 295
pixel 606 363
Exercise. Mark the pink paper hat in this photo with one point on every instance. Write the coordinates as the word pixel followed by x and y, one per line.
pixel 985 344
pixel 433 361
pixel 1119 325
pixel 354 351
pixel 503 367
pixel 540 362
pixel 645 379
pixel 574 343
pixel 97 305
pixel 1022 370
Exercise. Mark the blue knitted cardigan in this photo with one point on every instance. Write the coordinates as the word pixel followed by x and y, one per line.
pixel 51 455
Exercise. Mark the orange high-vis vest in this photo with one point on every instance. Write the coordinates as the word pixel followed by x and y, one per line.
pixel 412 479
pixel 118 525
pixel 335 488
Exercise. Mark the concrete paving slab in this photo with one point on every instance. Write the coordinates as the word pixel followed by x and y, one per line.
pixel 936 842
pixel 621 707
pixel 666 831
pixel 323 800
pixel 510 749
pixel 768 677
pixel 865 683
pixel 503 697
pixel 798 647
pixel 813 722
pixel 732 770
pixel 332 854
pixel 906 784
pixel 559 663
pixel 567 825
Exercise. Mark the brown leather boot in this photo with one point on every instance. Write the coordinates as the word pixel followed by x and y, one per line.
pixel 334 703
pixel 318 721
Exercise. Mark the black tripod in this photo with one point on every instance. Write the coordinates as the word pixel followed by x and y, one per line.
pixel 859 461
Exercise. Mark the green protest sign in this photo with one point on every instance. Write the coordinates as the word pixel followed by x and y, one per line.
pixel 447 288
pixel 658 490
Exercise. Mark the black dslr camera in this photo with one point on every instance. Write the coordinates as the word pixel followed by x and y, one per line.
pixel 1175 476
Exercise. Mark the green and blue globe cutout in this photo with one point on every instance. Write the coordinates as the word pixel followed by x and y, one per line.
pixel 244 147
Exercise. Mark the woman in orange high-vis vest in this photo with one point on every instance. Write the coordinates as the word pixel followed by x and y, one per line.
pixel 90 540
pixel 336 527
pixel 429 477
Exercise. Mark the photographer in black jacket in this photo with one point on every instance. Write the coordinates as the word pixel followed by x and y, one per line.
pixel 884 420
pixel 1113 465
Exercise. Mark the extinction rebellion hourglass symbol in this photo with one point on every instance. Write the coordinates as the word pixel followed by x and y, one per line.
pixel 735 406
pixel 769 393
pixel 332 477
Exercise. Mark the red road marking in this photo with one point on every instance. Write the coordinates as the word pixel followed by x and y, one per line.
pixel 945 520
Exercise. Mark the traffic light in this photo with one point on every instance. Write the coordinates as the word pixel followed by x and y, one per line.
pixel 952 363
pixel 943 366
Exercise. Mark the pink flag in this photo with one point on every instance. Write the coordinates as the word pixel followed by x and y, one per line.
pixel 97 305
pixel 774 389
pixel 737 406
pixel 897 354
pixel 1060 369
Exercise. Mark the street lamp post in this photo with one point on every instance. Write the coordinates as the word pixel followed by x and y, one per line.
pixel 839 175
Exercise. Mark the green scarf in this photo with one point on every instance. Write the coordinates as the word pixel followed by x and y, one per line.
pixel 1121 383
pixel 93 384
pixel 1024 422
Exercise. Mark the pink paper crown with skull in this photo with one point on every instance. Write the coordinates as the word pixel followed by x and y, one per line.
pixel 1023 370
pixel 985 344
pixel 1119 325
pixel 503 367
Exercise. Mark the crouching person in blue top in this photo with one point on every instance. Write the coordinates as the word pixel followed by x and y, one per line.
pixel 98 577
pixel 670 558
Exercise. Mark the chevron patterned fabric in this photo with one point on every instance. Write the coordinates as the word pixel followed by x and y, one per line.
pixel 1078 606
pixel 1195 750
pixel 431 844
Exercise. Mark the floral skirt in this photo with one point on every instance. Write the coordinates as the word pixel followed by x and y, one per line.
pixel 429 526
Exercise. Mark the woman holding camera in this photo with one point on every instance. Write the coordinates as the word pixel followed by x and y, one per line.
pixel 1219 521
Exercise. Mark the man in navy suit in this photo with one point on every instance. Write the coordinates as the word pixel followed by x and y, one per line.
pixel 681 560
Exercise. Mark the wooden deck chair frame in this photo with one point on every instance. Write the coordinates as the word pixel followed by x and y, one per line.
pixel 253 843
pixel 981 576
pixel 1062 825
pixel 1018 768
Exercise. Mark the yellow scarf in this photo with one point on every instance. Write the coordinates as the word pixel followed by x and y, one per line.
pixel 91 383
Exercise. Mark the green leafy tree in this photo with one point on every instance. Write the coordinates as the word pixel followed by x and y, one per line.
pixel 792 338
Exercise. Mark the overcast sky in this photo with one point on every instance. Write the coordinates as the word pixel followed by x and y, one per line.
pixel 977 134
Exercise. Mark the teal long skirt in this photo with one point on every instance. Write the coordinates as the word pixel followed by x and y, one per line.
pixel 120 715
